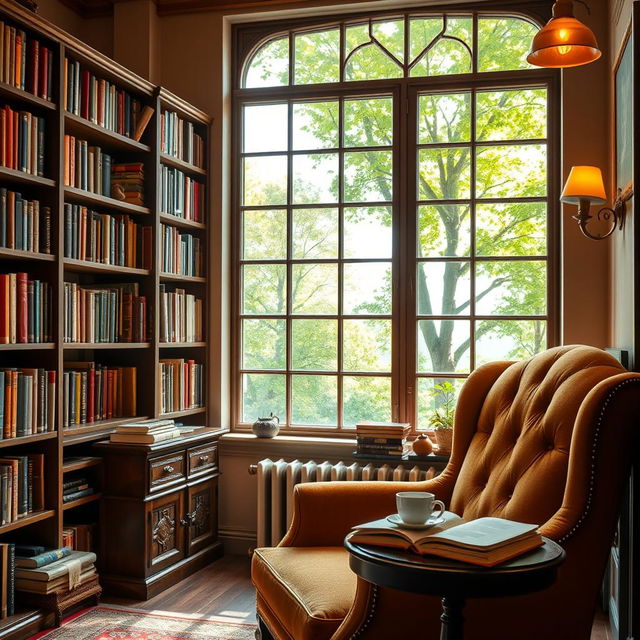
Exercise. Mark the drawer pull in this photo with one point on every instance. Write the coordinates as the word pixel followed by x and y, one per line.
pixel 203 459
pixel 168 469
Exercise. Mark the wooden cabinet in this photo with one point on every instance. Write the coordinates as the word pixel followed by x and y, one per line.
pixel 159 520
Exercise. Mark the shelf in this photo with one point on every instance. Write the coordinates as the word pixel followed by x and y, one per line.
pixel 106 345
pixel 25 178
pixel 80 127
pixel 184 412
pixel 181 222
pixel 170 277
pixel 20 346
pixel 25 620
pixel 182 165
pixel 85 266
pixel 94 430
pixel 36 437
pixel 32 518
pixel 86 197
pixel 80 463
pixel 80 501
pixel 7 91
pixel 181 345
pixel 17 254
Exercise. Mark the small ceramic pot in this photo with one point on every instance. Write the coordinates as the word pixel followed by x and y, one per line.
pixel 267 427
pixel 422 445
pixel 444 438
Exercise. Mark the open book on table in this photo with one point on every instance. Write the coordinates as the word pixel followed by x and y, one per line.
pixel 485 541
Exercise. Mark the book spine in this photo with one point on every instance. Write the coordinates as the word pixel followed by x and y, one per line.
pixel 11 580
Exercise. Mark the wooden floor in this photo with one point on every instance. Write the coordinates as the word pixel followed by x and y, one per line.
pixel 224 590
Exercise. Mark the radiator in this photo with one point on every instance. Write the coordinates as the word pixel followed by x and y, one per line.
pixel 276 480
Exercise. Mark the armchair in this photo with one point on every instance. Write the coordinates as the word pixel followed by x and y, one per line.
pixel 548 440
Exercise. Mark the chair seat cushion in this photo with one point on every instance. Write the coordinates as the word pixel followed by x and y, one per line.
pixel 309 590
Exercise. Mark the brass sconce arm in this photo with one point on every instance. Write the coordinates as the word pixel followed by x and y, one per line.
pixel 615 215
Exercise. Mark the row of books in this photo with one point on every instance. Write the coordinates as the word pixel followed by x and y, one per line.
pixel 25 309
pixel 107 313
pixel 21 486
pixel 127 182
pixel 22 141
pixel 383 438
pixel 80 537
pixel 24 224
pixel 146 431
pixel 182 383
pixel 179 139
pixel 94 392
pixel 86 167
pixel 180 253
pixel 181 195
pixel 25 62
pixel 102 103
pixel 76 488
pixel 180 316
pixel 60 570
pixel 104 238
pixel 27 402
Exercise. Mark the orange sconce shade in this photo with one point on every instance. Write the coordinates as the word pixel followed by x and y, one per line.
pixel 564 41
pixel 584 183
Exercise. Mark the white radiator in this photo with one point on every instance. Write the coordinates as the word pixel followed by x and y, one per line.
pixel 276 481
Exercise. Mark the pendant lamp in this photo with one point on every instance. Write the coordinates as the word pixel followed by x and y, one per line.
pixel 564 41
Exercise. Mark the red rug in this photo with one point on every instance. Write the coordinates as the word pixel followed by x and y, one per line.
pixel 106 623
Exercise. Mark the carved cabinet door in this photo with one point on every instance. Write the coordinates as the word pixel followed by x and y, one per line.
pixel 165 531
pixel 202 516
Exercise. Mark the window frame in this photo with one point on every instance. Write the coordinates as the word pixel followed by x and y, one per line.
pixel 404 374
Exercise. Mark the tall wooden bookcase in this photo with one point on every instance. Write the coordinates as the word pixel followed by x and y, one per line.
pixel 46 527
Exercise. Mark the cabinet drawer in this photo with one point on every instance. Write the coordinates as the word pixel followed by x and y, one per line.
pixel 165 470
pixel 202 458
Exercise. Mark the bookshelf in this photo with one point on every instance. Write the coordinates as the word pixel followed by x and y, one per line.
pixel 186 154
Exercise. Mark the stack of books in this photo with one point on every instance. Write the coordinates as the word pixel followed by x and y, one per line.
pixel 76 488
pixel 146 432
pixel 382 438
pixel 127 182
pixel 54 571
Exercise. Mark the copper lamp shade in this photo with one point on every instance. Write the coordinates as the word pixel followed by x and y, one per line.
pixel 564 41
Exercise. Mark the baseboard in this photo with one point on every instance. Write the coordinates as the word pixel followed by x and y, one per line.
pixel 237 542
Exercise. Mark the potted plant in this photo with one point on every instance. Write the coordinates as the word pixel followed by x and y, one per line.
pixel 441 420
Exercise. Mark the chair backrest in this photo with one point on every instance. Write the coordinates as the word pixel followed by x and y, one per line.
pixel 516 444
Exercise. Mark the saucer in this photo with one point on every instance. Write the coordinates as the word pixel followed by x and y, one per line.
pixel 395 519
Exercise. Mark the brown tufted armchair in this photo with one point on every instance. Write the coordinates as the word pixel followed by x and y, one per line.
pixel 548 440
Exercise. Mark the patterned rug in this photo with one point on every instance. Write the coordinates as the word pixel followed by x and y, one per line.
pixel 105 623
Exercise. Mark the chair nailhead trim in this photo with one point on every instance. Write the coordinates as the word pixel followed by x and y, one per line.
pixel 594 447
pixel 370 614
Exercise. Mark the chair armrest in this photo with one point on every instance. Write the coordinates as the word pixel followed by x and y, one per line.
pixel 325 512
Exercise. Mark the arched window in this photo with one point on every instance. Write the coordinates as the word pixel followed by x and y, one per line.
pixel 395 214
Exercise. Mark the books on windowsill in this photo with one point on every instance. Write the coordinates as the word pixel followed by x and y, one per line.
pixel 485 541
pixel 383 438
pixel 146 432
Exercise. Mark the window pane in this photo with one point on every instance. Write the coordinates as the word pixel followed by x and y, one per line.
pixel 509 339
pixel 269 67
pixel 368 176
pixel 367 345
pixel 314 400
pixel 444 118
pixel 264 235
pixel 422 32
pixel 366 398
pixel 390 34
pixel 264 288
pixel 511 229
pixel 436 394
pixel 265 180
pixel 367 288
pixel 443 230
pixel 503 43
pixel 443 346
pixel 444 174
pixel 444 288
pixel 315 178
pixel 315 234
pixel 317 57
pixel 366 61
pixel 314 289
pixel 315 125
pixel 368 122
pixel 511 171
pixel 368 232
pixel 518 114
pixel 263 394
pixel 314 345
pixel 448 55
pixel 511 288
pixel 264 344
pixel 265 128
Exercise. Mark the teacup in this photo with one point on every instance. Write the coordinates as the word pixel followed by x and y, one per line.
pixel 416 507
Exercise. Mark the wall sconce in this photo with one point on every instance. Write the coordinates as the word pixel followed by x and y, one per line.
pixel 585 187
pixel 564 41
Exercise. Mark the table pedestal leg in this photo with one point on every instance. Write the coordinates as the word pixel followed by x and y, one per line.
pixel 452 618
